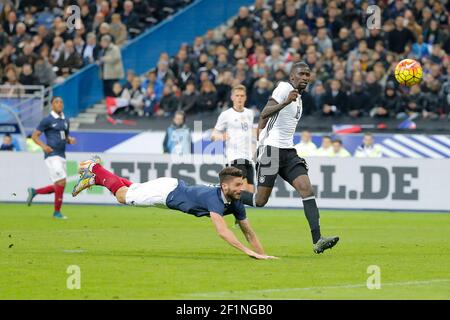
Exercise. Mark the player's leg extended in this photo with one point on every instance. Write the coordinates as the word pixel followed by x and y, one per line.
pixel 57 171
pixel 59 194
pixel 93 173
pixel 32 192
pixel 303 186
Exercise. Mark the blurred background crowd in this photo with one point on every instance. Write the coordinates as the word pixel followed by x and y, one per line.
pixel 38 46
pixel 352 64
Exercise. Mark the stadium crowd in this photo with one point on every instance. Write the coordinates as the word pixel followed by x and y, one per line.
pixel 39 47
pixel 352 65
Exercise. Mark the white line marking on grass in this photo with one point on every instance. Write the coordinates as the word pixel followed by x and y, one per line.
pixel 345 286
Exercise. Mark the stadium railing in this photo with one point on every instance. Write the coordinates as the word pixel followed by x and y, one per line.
pixel 26 102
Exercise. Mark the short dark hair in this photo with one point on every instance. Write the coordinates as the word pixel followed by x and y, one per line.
pixel 338 141
pixel 229 172
pixel 299 65
pixel 55 97
pixel 326 137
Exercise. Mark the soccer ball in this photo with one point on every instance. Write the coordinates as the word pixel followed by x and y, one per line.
pixel 408 72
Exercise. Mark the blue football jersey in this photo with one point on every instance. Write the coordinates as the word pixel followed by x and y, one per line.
pixel 200 200
pixel 56 131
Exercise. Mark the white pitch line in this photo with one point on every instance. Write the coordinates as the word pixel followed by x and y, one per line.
pixel 346 286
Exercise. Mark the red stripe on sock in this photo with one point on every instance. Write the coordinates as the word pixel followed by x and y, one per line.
pixel 46 190
pixel 59 193
pixel 107 179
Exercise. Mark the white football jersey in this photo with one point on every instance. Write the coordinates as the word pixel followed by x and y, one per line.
pixel 239 128
pixel 280 129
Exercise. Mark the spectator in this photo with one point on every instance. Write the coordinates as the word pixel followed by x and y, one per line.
pixel 224 86
pixel 243 19
pixel 260 94
pixel 163 71
pixel 368 149
pixel 177 140
pixel 400 39
pixel 322 40
pixel 169 102
pixel 91 50
pixel 27 56
pixel 12 87
pixel 57 49
pixel 118 101
pixel 27 77
pixel 388 104
pixel 373 89
pixel 68 61
pixel 129 18
pixel 306 147
pixel 339 151
pixel 136 105
pixel 158 84
pixel 44 71
pixel 357 104
pixel 9 26
pixel 78 44
pixel 318 95
pixel 207 101
pixel 433 33
pixel 188 102
pixel 186 75
pixel 150 102
pixel 111 64
pixel 7 144
pixel 103 30
pixel 118 30
pixel 326 149
pixel 276 60
pixel 334 100
pixel 20 37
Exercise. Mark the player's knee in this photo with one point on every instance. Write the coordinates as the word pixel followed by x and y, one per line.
pixel 307 192
pixel 121 195
pixel 260 202
pixel 61 182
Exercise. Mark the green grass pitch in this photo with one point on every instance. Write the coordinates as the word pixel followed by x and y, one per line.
pixel 143 253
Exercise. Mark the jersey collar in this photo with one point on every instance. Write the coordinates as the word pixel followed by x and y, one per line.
pixel 57 116
pixel 224 199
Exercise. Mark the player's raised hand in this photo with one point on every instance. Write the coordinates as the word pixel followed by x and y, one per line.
pixel 293 95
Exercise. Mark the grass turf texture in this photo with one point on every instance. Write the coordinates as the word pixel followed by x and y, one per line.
pixel 143 253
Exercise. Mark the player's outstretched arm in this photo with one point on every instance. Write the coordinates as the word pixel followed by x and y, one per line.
pixel 225 233
pixel 251 236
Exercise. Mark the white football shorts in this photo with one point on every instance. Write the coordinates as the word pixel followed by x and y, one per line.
pixel 152 193
pixel 56 167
